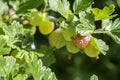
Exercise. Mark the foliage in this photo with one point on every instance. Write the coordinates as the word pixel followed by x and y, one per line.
pixel 32 31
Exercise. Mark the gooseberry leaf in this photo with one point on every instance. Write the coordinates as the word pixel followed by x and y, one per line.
pixel 48 57
pixel 13 33
pixel 113 29
pixel 7 65
pixel 87 24
pixel 61 6
pixel 3 7
pixel 4 49
pixel 102 46
pixel 56 39
pixel 24 6
pixel 21 77
pixel 93 77
pixel 81 5
pixel 37 69
pixel 105 13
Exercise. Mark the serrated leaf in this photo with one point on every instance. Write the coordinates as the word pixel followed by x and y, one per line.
pixel 3 7
pixel 114 30
pixel 6 65
pixel 21 77
pixel 28 4
pixel 93 77
pixel 102 46
pixel 37 69
pixel 4 49
pixel 81 5
pixel 61 6
pixel 48 57
pixel 106 23
pixel 104 13
pixel 87 24
pixel 13 33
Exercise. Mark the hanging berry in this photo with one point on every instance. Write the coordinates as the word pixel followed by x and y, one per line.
pixel 81 41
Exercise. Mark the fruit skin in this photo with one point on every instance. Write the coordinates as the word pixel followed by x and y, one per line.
pixel 82 42
pixel 91 51
pixel 71 47
pixel 46 27
pixel 68 34
pixel 56 39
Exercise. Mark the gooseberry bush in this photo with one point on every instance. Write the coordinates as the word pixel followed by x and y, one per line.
pixel 65 25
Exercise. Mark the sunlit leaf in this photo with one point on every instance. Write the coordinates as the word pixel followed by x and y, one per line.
pixel 93 77
pixel 104 13
pixel 61 6
pixel 24 6
pixel 6 66
pixel 37 69
pixel 4 49
pixel 114 30
pixel 3 7
pixel 87 24
pixel 81 5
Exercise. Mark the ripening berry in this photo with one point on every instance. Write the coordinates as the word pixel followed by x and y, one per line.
pixel 81 41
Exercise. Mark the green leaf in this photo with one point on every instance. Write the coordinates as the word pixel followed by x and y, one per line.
pixel 114 30
pixel 87 24
pixel 13 33
pixel 3 7
pixel 104 13
pixel 105 23
pixel 28 4
pixel 81 5
pixel 48 57
pixel 4 49
pixel 93 77
pixel 102 46
pixel 21 77
pixel 6 65
pixel 37 69
pixel 61 6
pixel 118 2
